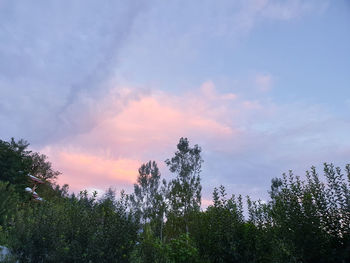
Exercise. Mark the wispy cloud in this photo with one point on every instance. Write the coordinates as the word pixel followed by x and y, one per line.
pixel 150 124
pixel 147 127
pixel 55 58
pixel 60 57
pixel 290 9
pixel 67 84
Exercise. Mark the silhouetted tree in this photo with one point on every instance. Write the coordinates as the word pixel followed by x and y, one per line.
pixel 148 198
pixel 185 190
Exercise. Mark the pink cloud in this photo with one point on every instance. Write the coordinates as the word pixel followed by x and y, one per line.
pixel 92 171
pixel 147 127
pixel 154 121
pixel 206 203
pixel 208 91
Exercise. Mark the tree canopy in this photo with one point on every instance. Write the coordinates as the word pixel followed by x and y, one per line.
pixel 306 219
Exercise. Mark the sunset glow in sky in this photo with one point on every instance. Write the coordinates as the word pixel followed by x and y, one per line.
pixel 263 86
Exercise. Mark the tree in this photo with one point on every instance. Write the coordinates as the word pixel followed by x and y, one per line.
pixel 185 190
pixel 74 229
pixel 16 161
pixel 42 168
pixel 310 219
pixel 221 235
pixel 148 198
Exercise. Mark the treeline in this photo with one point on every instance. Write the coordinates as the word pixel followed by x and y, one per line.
pixel 305 220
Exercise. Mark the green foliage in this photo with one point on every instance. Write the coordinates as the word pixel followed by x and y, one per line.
pixel 15 162
pixel 311 218
pixel 176 250
pixel 304 220
pixel 148 199
pixel 42 168
pixel 9 201
pixel 150 249
pixel 184 194
pixel 74 230
pixel 182 250
pixel 222 234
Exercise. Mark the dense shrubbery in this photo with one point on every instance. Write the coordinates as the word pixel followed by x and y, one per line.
pixel 304 221
pixel 73 229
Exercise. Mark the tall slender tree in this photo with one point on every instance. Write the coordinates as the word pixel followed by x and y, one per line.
pixel 185 190
pixel 148 199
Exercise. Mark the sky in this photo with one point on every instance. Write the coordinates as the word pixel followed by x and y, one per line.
pixel 100 87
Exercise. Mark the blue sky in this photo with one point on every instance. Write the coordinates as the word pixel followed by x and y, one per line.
pixel 103 86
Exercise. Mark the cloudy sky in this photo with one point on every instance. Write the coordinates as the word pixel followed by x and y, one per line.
pixel 263 86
